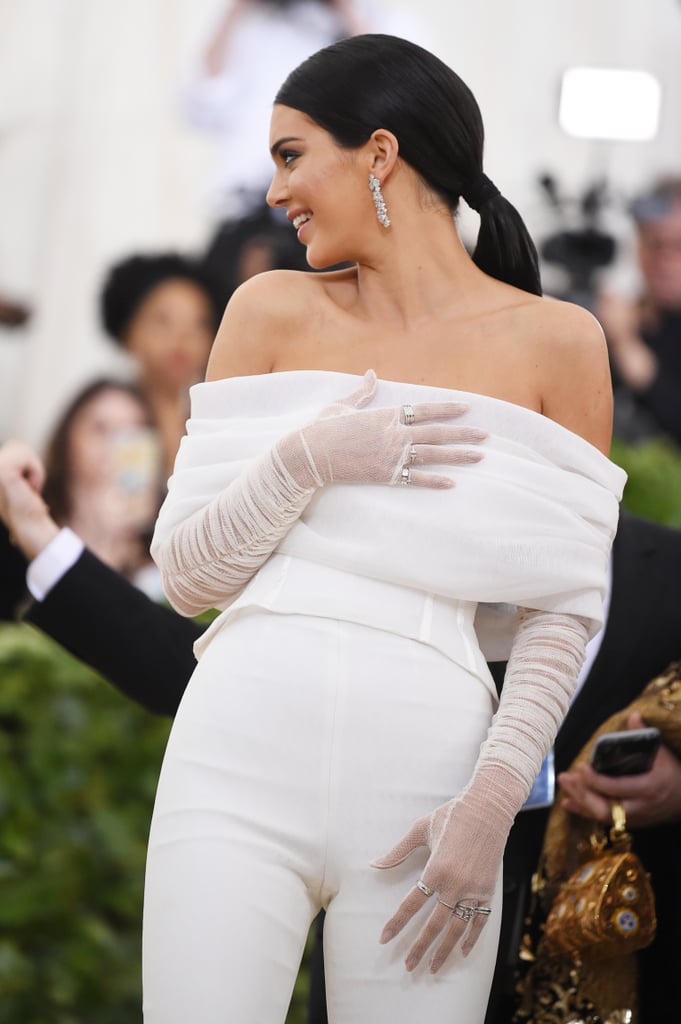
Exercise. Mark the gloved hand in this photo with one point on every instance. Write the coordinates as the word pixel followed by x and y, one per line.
pixel 466 836
pixel 214 552
pixel 374 447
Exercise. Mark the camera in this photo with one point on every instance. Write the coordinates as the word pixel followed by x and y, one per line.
pixel 582 250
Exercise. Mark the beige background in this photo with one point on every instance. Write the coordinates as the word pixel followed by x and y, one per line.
pixel 95 160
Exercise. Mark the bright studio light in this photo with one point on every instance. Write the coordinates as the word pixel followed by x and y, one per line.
pixel 609 103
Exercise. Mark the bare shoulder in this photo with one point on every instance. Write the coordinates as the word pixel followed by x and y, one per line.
pixel 262 315
pixel 571 356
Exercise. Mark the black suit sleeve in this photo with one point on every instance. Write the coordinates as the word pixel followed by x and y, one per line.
pixel 141 647
pixel 12 577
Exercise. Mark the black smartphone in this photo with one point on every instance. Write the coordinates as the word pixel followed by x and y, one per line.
pixel 626 753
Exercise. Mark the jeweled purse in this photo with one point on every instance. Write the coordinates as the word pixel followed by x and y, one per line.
pixel 607 904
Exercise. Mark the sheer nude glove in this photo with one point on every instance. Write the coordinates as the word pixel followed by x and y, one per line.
pixel 466 836
pixel 215 551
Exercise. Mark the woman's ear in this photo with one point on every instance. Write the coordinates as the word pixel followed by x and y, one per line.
pixel 383 151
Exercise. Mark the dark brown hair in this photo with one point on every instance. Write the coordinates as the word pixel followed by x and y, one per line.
pixel 366 82
pixel 58 467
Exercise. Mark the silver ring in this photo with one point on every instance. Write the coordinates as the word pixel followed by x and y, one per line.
pixel 405 475
pixel 412 454
pixel 473 907
pixel 426 890
pixel 408 412
pixel 465 909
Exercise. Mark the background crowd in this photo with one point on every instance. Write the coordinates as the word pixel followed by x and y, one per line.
pixel 107 429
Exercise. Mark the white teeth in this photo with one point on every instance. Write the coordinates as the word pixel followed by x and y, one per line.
pixel 300 219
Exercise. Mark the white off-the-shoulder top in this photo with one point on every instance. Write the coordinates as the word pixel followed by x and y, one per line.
pixel 531 525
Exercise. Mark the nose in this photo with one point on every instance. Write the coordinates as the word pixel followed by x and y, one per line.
pixel 277 192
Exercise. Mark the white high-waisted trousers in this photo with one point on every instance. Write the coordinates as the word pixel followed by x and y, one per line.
pixel 304 747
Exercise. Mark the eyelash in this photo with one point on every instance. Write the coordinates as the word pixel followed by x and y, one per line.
pixel 287 155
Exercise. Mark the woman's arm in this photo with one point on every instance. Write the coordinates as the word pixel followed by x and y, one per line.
pixel 209 556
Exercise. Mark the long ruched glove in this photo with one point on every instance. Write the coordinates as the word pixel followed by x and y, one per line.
pixel 466 836
pixel 212 554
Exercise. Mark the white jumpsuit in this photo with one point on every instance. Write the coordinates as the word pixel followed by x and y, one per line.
pixel 343 695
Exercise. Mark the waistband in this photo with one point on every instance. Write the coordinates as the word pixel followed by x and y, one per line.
pixel 289 585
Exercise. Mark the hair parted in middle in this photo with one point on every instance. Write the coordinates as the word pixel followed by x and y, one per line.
pixel 366 82
pixel 58 459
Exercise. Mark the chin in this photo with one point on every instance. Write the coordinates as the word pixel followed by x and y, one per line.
pixel 321 259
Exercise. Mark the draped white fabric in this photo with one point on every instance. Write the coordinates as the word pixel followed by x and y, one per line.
pixel 531 525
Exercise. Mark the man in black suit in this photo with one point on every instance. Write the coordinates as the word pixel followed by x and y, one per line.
pixel 141 647
pixel 641 637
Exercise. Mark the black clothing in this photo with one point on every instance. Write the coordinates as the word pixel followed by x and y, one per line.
pixel 642 636
pixel 142 647
pixel 655 411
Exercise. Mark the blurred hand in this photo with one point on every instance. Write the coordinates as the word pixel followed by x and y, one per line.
pixel 653 798
pixel 22 509
pixel 634 361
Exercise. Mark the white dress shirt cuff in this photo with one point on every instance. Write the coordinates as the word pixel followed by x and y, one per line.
pixel 53 562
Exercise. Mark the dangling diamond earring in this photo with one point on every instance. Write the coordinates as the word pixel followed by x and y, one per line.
pixel 379 201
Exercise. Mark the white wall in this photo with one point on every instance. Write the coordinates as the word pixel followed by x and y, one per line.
pixel 94 159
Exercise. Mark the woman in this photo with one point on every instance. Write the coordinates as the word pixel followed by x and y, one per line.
pixel 359 703
pixel 102 475
pixel 163 309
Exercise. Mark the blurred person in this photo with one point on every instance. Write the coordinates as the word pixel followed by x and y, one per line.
pixel 103 474
pixel 250 49
pixel 359 702
pixel 51 579
pixel 163 309
pixel 641 635
pixel 644 335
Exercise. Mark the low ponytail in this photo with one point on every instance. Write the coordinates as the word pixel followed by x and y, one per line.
pixel 376 81
pixel 504 249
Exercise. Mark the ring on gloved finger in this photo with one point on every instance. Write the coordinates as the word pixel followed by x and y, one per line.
pixel 472 907
pixel 465 909
pixel 425 889
pixel 405 475
pixel 408 413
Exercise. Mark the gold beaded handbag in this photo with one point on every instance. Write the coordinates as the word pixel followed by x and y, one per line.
pixel 607 905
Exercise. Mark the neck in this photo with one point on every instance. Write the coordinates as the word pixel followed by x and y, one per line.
pixel 418 270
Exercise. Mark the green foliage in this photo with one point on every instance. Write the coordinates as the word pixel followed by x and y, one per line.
pixel 78 770
pixel 653 488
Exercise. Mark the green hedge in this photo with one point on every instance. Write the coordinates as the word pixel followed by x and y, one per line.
pixel 78 771
pixel 653 489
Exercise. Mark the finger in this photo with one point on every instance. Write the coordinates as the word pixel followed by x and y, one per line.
pixel 363 395
pixel 415 837
pixel 635 720
pixel 434 454
pixel 444 433
pixel 34 475
pixel 588 805
pixel 451 937
pixel 473 934
pixel 417 478
pixel 410 905
pixel 440 919
pixel 428 412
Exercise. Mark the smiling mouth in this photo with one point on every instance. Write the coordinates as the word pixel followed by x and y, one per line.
pixel 301 219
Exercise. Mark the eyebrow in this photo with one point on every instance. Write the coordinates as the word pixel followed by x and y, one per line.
pixel 274 149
